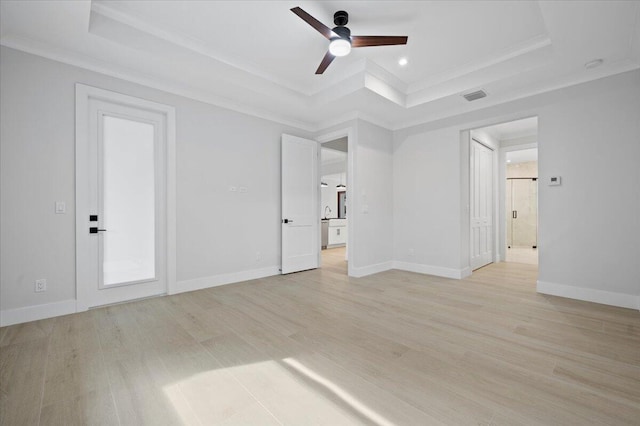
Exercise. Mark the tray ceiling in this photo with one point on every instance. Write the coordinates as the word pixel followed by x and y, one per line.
pixel 258 57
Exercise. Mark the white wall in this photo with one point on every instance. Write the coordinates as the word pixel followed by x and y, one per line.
pixel 371 201
pixel 218 232
pixel 589 227
pixel 409 187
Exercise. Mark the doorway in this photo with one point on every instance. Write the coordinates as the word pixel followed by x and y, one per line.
pixel 515 202
pixel 334 204
pixel 521 203
pixel 125 224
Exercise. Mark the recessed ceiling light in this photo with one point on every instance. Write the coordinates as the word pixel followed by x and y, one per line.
pixel 402 62
pixel 508 161
pixel 594 63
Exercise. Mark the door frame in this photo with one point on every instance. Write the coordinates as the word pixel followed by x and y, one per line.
pixel 464 200
pixel 350 133
pixel 84 94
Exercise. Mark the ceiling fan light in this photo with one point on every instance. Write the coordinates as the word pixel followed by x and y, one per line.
pixel 340 47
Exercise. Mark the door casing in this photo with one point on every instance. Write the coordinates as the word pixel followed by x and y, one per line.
pixel 84 95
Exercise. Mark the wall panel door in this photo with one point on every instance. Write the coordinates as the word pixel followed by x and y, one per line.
pixel 481 205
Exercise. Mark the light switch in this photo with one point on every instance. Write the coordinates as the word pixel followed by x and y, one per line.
pixel 233 189
pixel 555 181
pixel 365 209
pixel 61 207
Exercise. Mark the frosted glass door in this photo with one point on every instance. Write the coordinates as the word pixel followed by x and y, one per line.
pixel 128 202
pixel 121 197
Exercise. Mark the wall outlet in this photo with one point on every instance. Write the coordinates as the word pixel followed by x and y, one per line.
pixel 242 189
pixel 411 252
pixel 233 189
pixel 40 286
pixel 258 256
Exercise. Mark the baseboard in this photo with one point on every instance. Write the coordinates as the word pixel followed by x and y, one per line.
pixel 223 279
pixel 438 271
pixel 37 312
pixel 370 270
pixel 622 300
pixel 465 272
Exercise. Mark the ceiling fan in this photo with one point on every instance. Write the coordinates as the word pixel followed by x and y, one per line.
pixel 341 39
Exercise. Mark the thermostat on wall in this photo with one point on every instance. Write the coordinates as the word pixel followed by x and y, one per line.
pixel 555 180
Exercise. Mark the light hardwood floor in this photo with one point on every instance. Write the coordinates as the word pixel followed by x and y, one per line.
pixel 319 348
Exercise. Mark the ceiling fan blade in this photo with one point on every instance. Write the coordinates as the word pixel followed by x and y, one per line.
pixel 319 26
pixel 365 41
pixel 328 58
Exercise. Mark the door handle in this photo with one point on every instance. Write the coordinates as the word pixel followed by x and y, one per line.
pixel 287 221
pixel 514 214
pixel 95 230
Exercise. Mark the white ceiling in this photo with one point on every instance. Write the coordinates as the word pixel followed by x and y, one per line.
pixel 514 129
pixel 260 58
pixel 522 156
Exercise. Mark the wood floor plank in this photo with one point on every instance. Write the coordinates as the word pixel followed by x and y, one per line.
pixel 22 372
pixel 319 347
pixel 93 408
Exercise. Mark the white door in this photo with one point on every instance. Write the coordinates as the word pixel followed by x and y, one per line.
pixel 300 219
pixel 481 210
pixel 121 203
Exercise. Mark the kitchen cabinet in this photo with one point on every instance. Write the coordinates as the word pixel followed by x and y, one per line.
pixel 337 233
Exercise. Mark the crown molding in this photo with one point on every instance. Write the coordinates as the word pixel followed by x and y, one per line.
pixel 187 42
pixel 96 65
pixel 533 44
pixel 355 83
pixel 568 81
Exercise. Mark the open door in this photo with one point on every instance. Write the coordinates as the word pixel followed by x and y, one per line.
pixel 481 205
pixel 300 220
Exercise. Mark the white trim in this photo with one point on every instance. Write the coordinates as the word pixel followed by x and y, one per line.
pixel 623 300
pixel 466 272
pixel 438 271
pixel 224 279
pixel 37 312
pixel 83 94
pixel 369 270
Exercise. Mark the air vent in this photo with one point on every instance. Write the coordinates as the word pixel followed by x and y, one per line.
pixel 475 95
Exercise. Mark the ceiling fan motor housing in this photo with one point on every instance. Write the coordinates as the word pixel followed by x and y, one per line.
pixel 341 18
pixel 343 32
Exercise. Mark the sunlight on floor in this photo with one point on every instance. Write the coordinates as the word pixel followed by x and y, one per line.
pixel 345 396
pixel 266 392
